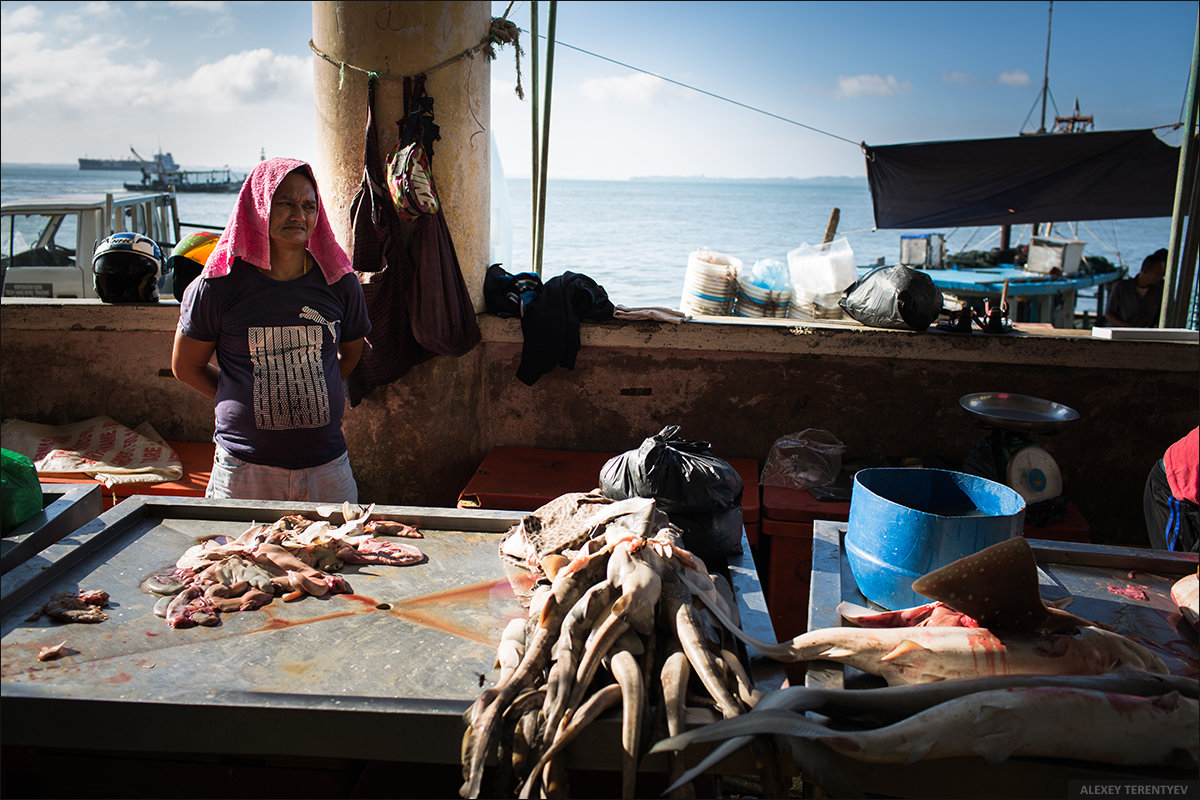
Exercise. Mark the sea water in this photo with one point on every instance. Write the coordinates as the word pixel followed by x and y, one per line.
pixel 633 237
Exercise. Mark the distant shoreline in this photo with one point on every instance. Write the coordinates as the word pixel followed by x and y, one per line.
pixel 74 166
pixel 824 180
pixel 836 181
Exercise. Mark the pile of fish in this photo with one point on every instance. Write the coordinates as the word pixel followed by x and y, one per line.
pixel 294 557
pixel 613 621
pixel 621 614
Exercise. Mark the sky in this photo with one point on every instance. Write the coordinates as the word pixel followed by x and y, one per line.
pixel 721 89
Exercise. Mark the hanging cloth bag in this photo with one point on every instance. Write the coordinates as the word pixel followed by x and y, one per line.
pixel 443 316
pixel 379 251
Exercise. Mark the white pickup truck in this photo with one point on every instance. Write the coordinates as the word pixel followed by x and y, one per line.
pixel 46 243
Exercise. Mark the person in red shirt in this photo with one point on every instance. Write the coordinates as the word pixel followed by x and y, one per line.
pixel 1172 495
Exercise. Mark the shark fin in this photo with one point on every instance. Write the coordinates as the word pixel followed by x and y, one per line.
pixel 994 737
pixel 920 748
pixel 838 651
pixel 905 647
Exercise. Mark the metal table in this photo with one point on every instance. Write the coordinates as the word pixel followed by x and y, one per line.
pixel 1091 574
pixel 384 673
pixel 65 507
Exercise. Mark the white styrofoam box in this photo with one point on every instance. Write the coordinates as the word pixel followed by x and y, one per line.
pixel 926 250
pixel 1047 254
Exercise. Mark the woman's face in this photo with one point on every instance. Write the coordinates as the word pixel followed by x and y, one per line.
pixel 293 210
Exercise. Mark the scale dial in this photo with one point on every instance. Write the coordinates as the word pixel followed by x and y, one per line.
pixel 1034 474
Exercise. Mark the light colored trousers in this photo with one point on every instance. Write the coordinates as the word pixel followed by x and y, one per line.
pixel 235 479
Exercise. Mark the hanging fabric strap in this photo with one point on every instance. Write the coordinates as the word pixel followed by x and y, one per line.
pixel 370 220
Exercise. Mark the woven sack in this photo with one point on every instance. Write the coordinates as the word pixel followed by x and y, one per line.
pixel 410 182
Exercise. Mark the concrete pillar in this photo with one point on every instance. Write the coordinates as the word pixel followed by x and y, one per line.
pixel 398 39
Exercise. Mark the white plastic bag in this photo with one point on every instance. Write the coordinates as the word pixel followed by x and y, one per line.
pixel 812 457
pixel 819 275
pixel 764 290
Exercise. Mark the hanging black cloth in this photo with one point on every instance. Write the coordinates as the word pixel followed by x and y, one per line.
pixel 416 299
pixel 1043 178
pixel 550 323
pixel 390 350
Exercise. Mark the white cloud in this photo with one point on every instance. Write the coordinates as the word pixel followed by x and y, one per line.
pixel 86 19
pixel 218 19
pixel 870 86
pixel 638 89
pixel 249 80
pixel 207 6
pixel 84 74
pixel 956 78
pixel 1014 77
pixel 17 19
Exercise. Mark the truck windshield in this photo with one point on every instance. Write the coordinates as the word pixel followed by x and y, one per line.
pixel 38 240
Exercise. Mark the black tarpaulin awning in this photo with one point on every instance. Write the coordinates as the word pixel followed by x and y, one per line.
pixel 1024 179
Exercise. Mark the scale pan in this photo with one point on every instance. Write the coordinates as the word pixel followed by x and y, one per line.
pixel 1018 412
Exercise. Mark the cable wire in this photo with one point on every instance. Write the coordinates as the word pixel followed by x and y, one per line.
pixel 705 92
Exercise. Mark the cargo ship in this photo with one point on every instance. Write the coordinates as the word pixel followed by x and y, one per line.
pixel 163 161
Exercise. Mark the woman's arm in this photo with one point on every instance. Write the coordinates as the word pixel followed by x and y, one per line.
pixel 348 355
pixel 190 362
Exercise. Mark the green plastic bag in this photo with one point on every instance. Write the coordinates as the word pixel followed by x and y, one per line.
pixel 20 490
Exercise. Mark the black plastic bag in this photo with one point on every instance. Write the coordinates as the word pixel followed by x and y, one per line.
pixel 700 493
pixel 893 297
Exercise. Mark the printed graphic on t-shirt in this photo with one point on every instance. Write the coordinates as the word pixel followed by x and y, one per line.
pixel 289 385
pixel 308 312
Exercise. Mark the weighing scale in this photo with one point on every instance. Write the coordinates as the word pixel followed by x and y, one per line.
pixel 1016 459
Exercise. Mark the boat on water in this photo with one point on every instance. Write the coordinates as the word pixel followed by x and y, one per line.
pixel 160 161
pixel 1065 174
pixel 178 180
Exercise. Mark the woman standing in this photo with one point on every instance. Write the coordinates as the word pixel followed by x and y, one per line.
pixel 282 310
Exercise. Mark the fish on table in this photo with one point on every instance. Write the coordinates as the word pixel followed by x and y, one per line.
pixel 978 625
pixel 987 669
pixel 1068 722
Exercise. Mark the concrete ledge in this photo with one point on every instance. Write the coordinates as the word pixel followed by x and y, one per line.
pixel 1026 345
pixel 737 383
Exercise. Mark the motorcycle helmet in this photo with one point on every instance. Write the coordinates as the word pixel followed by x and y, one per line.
pixel 186 261
pixel 126 268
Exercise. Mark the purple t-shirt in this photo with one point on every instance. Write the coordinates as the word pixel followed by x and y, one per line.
pixel 280 396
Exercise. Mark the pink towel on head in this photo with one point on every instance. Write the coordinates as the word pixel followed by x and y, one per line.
pixel 247 235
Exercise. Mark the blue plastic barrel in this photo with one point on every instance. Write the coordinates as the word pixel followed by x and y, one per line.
pixel 905 522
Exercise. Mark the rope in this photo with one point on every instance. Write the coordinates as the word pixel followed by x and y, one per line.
pixel 500 32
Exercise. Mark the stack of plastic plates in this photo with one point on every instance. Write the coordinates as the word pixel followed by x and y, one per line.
pixel 755 301
pixel 710 285
pixel 809 306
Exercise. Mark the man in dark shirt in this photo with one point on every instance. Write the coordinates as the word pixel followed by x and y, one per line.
pixel 1136 302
